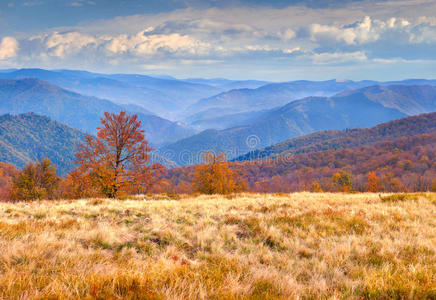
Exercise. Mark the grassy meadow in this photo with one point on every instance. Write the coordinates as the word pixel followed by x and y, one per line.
pixel 248 246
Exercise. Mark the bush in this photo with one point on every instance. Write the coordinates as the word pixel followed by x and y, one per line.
pixel 36 181
pixel 215 176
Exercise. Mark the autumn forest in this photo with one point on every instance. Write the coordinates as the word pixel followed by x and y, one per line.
pixel 117 162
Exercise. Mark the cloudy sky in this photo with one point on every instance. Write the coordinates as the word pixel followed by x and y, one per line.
pixel 247 39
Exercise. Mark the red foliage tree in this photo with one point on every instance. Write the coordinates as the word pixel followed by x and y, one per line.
pixel 7 173
pixel 118 158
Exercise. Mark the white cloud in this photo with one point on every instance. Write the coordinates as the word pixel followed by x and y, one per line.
pixel 287 34
pixel 338 57
pixel 80 3
pixel 293 50
pixel 33 3
pixel 392 31
pixel 145 44
pixel 362 32
pixel 64 44
pixel 8 47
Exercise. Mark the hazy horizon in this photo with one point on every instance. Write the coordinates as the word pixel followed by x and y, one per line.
pixel 168 76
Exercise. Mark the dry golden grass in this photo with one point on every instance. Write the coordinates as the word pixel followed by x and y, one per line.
pixel 250 246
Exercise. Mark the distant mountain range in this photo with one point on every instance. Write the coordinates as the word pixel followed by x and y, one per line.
pixel 180 99
pixel 220 115
pixel 227 107
pixel 29 137
pixel 360 108
pixel 165 96
pixel 78 111
pixel 340 139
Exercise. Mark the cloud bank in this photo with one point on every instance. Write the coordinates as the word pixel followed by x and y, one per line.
pixel 382 38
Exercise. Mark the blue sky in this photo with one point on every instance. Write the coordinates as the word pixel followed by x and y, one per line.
pixel 258 39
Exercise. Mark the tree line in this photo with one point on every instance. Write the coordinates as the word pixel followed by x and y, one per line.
pixel 116 162
pixel 406 164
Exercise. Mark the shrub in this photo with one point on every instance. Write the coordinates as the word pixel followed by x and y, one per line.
pixel 215 176
pixel 36 181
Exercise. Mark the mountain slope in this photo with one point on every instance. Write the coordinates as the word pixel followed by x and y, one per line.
pixel 160 95
pixel 208 119
pixel 338 139
pixel 355 109
pixel 275 95
pixel 75 110
pixel 404 98
pixel 29 137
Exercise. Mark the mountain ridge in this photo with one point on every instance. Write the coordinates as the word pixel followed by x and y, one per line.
pixel 76 110
pixel 339 139
pixel 300 117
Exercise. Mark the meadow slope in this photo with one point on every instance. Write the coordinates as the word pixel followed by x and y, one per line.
pixel 250 246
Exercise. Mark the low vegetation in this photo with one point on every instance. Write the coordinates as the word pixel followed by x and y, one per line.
pixel 245 246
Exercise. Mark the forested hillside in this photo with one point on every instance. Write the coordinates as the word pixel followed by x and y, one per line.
pixel 400 152
pixel 76 110
pixel 338 139
pixel 28 137
pixel 403 164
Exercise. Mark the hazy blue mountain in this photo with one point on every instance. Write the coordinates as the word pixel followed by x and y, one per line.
pixel 360 108
pixel 339 139
pixel 209 81
pixel 243 84
pixel 411 82
pixel 407 99
pixel 162 96
pixel 29 137
pixel 78 111
pixel 274 95
pixel 227 84
pixel 212 119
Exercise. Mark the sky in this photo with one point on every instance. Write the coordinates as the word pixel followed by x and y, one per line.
pixel 274 40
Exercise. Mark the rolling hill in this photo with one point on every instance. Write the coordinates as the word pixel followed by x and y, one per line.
pixel 27 137
pixel 374 105
pixel 350 138
pixel 78 111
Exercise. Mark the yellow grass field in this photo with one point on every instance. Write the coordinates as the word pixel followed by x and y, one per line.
pixel 250 246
